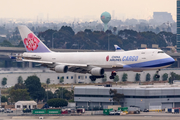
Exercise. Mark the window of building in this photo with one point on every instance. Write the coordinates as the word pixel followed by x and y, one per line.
pixel 85 77
pixel 34 106
pixel 24 106
pixel 79 77
pixel 178 3
pixel 178 24
pixel 18 106
pixel 67 77
pixel 178 31
pixel 178 37
pixel 178 45
pixel 57 77
pixel 178 10
pixel 178 17
pixel 168 96
pixel 71 77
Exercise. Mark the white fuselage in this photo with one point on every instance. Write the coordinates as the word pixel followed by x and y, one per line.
pixel 135 60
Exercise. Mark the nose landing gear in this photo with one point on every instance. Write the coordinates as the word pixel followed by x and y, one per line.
pixel 157 74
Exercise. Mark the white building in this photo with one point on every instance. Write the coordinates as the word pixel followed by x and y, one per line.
pixel 20 105
pixel 152 97
pixel 70 77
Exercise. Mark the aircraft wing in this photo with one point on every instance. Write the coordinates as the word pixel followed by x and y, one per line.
pixel 78 68
pixel 87 68
pixel 47 62
pixel 51 63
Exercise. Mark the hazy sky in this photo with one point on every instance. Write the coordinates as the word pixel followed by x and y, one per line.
pixel 121 9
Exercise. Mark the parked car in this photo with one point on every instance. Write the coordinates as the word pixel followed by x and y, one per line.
pixel 146 110
pixel 118 112
pixel 135 109
pixel 8 111
pixel 26 110
pixel 1 109
pixel 112 113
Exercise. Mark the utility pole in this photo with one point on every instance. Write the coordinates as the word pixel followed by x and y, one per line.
pixel 52 39
pixel 108 41
pixel 62 93
pixel 0 96
pixel 47 92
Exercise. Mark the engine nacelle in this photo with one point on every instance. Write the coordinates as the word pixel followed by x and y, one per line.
pixel 61 68
pixel 97 71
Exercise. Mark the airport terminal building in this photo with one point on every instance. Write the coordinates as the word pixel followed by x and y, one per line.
pixel 150 97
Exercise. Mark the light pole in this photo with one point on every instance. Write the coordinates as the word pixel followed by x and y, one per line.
pixel 108 41
pixel 110 101
pixel 52 39
pixel 47 92
pixel 89 104
pixel 0 96
pixel 62 93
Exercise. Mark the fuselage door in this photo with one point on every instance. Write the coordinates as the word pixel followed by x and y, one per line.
pixel 143 55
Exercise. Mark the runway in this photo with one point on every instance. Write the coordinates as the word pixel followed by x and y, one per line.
pixel 92 118
pixel 142 116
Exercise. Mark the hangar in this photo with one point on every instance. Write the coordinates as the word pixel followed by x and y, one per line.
pixel 145 96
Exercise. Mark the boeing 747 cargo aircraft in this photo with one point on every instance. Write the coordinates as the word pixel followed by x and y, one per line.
pixel 94 63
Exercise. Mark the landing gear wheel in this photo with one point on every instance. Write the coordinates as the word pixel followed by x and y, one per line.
pixel 111 77
pixel 157 76
pixel 113 73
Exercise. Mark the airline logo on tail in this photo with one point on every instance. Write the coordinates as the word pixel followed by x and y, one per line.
pixel 31 42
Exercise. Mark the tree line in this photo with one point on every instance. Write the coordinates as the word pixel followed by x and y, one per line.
pixel 32 89
pixel 88 39
pixel 173 76
pixel 128 39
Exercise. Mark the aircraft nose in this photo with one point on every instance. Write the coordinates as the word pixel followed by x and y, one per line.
pixel 171 60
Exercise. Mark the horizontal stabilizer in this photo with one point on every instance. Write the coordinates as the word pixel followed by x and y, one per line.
pixel 37 61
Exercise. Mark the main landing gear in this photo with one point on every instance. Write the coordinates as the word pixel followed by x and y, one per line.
pixel 113 73
pixel 157 74
pixel 93 78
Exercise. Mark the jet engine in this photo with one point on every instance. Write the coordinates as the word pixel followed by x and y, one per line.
pixel 97 71
pixel 61 68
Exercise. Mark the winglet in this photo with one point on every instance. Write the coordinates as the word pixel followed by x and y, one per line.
pixel 12 57
pixel 117 48
pixel 31 42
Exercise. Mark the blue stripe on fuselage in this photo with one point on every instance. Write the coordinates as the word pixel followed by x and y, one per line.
pixel 153 63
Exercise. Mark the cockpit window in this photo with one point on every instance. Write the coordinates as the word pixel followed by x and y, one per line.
pixel 160 51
